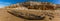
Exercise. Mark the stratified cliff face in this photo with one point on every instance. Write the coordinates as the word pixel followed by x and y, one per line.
pixel 31 11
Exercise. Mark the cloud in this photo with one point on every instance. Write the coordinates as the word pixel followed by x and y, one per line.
pixel 3 4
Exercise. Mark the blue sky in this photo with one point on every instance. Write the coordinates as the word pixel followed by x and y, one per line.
pixel 8 2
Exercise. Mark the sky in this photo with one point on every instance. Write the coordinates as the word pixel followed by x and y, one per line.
pixel 9 2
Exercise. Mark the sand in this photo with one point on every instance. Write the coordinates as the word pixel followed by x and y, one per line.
pixel 5 16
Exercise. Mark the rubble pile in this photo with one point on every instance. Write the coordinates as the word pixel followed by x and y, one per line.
pixel 33 15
